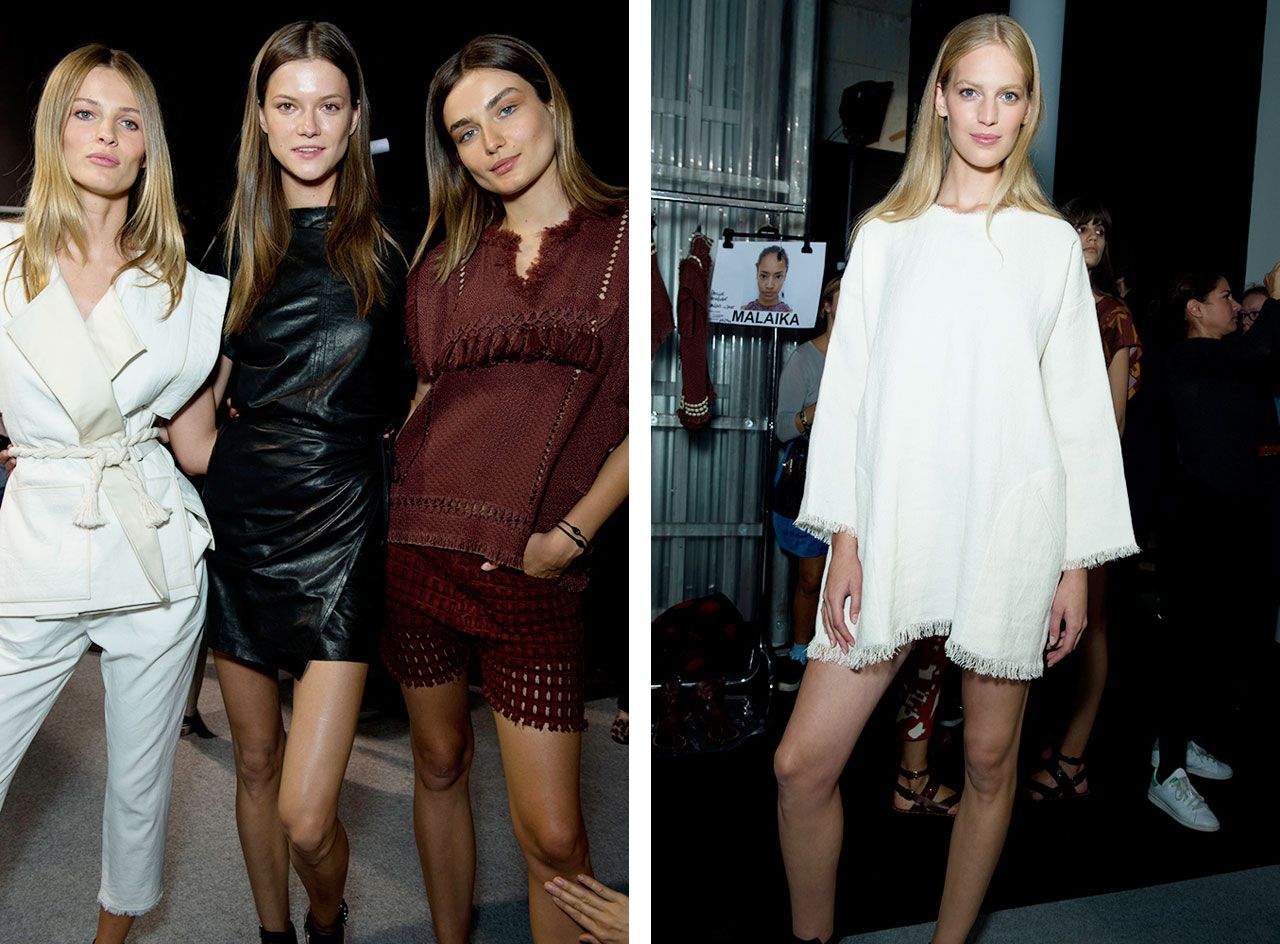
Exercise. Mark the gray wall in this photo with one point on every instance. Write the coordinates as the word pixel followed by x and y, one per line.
pixel 1264 216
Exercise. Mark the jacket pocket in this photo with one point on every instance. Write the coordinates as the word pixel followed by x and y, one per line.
pixel 44 557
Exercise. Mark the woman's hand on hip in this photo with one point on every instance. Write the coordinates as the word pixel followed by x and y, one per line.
pixel 547 554
pixel 1067 619
pixel 8 461
pixel 844 582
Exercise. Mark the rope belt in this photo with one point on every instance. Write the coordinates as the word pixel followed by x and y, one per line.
pixel 109 452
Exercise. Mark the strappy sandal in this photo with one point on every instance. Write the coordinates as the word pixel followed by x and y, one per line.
pixel 1064 785
pixel 620 729
pixel 924 802
pixel 719 728
pixel 667 734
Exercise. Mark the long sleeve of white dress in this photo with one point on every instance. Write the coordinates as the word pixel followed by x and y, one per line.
pixel 964 433
pixel 830 502
pixel 1098 526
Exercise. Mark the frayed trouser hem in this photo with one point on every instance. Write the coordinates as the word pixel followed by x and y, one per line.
pixel 126 912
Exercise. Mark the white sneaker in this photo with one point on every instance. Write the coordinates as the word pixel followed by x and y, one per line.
pixel 1180 800
pixel 1200 763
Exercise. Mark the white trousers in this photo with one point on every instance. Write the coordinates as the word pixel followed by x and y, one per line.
pixel 148 656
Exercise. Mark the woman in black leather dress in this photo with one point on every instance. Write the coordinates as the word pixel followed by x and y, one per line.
pixel 297 483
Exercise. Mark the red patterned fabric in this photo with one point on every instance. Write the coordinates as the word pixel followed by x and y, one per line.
pixel 528 632
pixel 1115 321
pixel 921 688
pixel 528 388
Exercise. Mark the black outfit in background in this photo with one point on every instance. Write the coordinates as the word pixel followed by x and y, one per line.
pixel 297 486
pixel 1220 532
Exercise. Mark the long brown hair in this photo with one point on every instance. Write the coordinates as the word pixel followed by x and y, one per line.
pixel 151 238
pixel 259 228
pixel 464 208
pixel 930 149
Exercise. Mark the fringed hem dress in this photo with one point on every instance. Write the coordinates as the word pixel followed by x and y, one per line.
pixel 965 434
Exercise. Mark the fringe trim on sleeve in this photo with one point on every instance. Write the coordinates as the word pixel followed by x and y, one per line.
pixel 822 528
pixel 1101 557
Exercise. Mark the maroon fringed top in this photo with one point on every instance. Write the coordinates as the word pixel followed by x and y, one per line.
pixel 528 388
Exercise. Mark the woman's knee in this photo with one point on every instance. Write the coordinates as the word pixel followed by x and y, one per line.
pixel 808 583
pixel 258 765
pixel 310 831
pixel 442 758
pixel 556 844
pixel 990 768
pixel 798 774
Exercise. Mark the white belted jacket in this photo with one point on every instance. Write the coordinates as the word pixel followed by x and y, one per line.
pixel 95 517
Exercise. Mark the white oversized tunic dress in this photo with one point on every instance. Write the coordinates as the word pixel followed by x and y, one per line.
pixel 965 434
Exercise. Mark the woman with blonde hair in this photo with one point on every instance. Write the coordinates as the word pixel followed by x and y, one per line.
pixel 296 485
pixel 106 329
pixel 514 457
pixel 964 463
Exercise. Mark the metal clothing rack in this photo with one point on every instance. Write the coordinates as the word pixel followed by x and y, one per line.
pixel 765 617
pixel 740 203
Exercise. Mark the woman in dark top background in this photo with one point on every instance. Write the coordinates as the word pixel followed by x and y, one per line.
pixel 1222 513
pixel 511 462
pixel 296 488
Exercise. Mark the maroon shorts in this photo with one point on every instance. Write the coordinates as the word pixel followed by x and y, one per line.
pixel 528 632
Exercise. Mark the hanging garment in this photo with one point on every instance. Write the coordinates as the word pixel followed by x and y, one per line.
pixel 697 396
pixel 662 322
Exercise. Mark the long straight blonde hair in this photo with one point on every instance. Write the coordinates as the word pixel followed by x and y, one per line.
pixel 457 202
pixel 258 227
pixel 930 150
pixel 53 218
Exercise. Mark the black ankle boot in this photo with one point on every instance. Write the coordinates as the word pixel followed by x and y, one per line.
pixel 334 935
pixel 278 937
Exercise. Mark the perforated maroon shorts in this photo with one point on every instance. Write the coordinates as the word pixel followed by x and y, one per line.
pixel 528 632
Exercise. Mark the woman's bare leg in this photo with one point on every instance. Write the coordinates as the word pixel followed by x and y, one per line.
pixel 542 769
pixel 1092 653
pixel 1087 685
pixel 832 707
pixel 443 745
pixel 326 707
pixel 252 700
pixel 804 603
pixel 992 725
pixel 112 928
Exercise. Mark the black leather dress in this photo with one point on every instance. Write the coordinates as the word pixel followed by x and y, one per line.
pixel 297 486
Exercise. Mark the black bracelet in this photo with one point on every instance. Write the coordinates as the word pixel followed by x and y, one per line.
pixel 576 536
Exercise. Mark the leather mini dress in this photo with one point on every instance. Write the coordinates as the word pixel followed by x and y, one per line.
pixel 297 486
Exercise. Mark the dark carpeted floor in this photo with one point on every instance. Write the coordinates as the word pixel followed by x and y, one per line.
pixel 715 832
